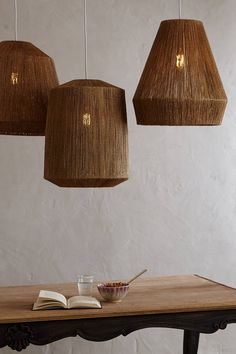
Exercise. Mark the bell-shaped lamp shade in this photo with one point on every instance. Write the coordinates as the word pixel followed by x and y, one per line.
pixel 86 141
pixel 26 77
pixel 180 84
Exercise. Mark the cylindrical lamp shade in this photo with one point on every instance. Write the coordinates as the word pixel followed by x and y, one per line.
pixel 86 142
pixel 180 83
pixel 26 77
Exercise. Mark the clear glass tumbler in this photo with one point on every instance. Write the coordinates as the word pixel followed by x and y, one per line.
pixel 85 284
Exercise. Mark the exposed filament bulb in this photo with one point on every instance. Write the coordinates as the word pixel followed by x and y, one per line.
pixel 180 61
pixel 14 78
pixel 87 119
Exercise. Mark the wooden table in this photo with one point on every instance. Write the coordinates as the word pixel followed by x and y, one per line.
pixel 191 303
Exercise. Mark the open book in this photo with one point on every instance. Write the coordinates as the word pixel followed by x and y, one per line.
pixel 48 300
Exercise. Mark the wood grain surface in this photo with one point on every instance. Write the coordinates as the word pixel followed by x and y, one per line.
pixel 172 294
pixel 26 77
pixel 86 135
pixel 180 84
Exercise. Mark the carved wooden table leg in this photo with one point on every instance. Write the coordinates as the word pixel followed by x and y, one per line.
pixel 191 340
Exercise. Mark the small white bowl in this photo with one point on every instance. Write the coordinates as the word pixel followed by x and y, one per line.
pixel 113 292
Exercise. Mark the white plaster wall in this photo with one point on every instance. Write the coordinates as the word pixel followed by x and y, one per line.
pixel 177 212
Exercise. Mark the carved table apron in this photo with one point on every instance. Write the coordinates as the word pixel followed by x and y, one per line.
pixel 190 303
pixel 18 336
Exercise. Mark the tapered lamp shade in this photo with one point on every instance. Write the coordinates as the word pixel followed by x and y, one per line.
pixel 86 135
pixel 26 77
pixel 180 84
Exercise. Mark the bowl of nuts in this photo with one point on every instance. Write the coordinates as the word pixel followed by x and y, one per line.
pixel 113 291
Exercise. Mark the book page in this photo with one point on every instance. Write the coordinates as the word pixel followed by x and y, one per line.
pixel 48 305
pixel 83 302
pixel 51 296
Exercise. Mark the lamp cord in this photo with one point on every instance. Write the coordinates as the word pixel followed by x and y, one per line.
pixel 85 41
pixel 16 19
pixel 180 9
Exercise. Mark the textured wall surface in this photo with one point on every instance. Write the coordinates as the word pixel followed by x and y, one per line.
pixel 177 212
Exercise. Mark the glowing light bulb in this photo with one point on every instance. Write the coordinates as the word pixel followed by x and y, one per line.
pixel 180 61
pixel 14 78
pixel 87 119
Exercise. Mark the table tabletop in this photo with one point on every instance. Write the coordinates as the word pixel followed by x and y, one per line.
pixel 160 295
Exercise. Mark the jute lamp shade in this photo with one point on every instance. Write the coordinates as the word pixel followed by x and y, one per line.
pixel 26 77
pixel 86 142
pixel 180 83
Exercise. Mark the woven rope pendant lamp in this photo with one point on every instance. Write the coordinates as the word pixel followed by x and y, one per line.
pixel 26 77
pixel 180 83
pixel 86 141
pixel 86 135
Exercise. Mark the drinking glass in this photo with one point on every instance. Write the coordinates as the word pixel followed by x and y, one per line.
pixel 85 284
